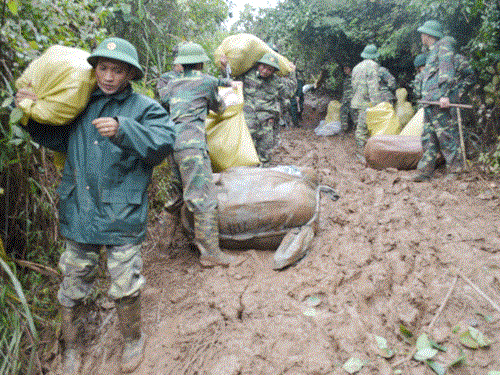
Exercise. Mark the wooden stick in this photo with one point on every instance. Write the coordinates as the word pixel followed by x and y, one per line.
pixel 461 133
pixel 438 313
pixel 476 288
pixel 467 106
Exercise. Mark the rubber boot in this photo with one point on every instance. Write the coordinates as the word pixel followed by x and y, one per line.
pixel 206 239
pixel 72 359
pixel 423 174
pixel 129 319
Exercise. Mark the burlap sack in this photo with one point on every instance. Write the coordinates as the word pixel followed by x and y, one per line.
pixel 229 141
pixel 402 152
pixel 62 80
pixel 266 209
pixel 244 50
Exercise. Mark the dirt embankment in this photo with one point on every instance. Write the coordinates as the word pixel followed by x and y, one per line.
pixel 391 258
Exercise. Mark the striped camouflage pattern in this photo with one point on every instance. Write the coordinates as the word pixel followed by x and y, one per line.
pixel 416 85
pixel 79 265
pixel 189 96
pixel 163 80
pixel 439 71
pixel 371 84
pixel 346 112
pixel 262 106
pixel 440 133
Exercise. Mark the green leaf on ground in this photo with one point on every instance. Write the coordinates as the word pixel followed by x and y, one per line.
pixel 459 361
pixel 384 349
pixel 353 365
pixel 474 339
pixel 438 368
pixel 425 354
pixel 423 342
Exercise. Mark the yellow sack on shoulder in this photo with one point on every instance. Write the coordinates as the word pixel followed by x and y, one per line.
pixel 382 119
pixel 244 50
pixel 229 141
pixel 62 80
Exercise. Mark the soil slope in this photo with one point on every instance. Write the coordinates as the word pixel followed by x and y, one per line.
pixel 391 257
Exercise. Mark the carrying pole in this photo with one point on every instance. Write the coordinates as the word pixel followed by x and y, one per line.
pixel 457 105
pixel 460 128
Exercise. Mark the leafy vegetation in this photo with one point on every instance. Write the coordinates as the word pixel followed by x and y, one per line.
pixel 319 36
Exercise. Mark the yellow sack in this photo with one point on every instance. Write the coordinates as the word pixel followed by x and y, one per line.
pixel 229 141
pixel 403 108
pixel 382 119
pixel 333 111
pixel 244 50
pixel 415 126
pixel 62 80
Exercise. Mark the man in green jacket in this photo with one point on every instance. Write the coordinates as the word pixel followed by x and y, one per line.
pixel 188 97
pixel 111 149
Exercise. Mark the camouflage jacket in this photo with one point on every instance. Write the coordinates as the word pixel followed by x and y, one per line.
pixel 464 78
pixel 347 90
pixel 188 97
pixel 416 85
pixel 371 84
pixel 262 95
pixel 163 80
pixel 439 72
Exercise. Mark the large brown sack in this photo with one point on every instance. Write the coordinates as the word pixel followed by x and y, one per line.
pixel 402 152
pixel 260 207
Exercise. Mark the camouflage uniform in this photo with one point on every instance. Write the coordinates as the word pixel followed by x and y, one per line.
pixel 262 108
pixel 416 85
pixel 371 84
pixel 79 265
pixel 346 112
pixel 440 133
pixel 188 97
pixel 161 86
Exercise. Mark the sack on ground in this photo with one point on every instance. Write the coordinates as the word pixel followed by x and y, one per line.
pixel 261 207
pixel 62 80
pixel 382 119
pixel 229 141
pixel 244 50
pixel 415 126
pixel 402 152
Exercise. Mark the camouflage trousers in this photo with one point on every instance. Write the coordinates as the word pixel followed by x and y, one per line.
pixel 347 117
pixel 361 133
pixel 440 135
pixel 264 138
pixel 79 266
pixel 192 170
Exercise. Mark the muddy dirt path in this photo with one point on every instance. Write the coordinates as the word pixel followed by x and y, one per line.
pixel 382 265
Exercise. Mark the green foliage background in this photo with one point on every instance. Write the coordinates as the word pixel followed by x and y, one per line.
pixel 318 35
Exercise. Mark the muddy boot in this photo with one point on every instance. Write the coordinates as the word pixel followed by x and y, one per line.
pixel 129 318
pixel 72 359
pixel 206 239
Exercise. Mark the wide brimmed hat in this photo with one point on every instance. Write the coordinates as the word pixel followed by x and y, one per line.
pixel 191 53
pixel 271 60
pixel 433 28
pixel 370 52
pixel 117 49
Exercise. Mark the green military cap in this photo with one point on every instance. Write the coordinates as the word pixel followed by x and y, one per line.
pixel 271 60
pixel 420 60
pixel 370 52
pixel 433 28
pixel 117 49
pixel 191 53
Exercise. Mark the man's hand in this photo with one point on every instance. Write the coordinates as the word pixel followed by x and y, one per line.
pixel 106 126
pixel 444 102
pixel 223 61
pixel 25 93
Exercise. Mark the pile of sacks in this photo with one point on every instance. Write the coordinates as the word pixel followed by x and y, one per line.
pixel 394 134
